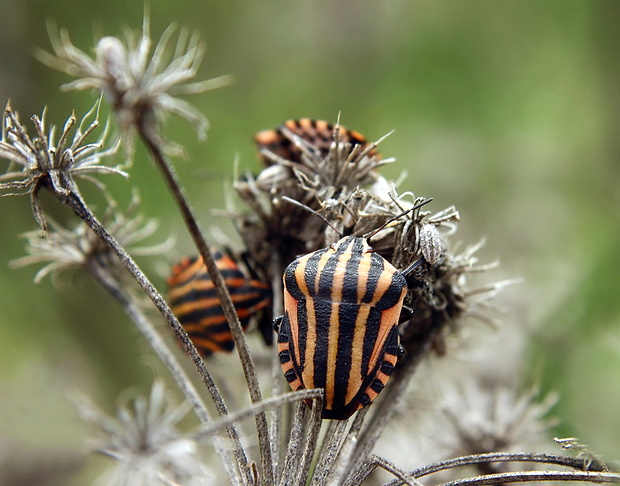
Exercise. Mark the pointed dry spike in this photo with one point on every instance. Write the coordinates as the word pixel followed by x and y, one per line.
pixel 158 54
pixel 203 86
pixel 304 146
pixel 17 130
pixel 71 121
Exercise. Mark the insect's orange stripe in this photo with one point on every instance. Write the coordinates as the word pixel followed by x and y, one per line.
pixel 355 373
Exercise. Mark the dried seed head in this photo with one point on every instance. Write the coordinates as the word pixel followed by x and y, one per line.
pixel 139 83
pixel 65 249
pixel 42 162
pixel 146 444
pixel 481 416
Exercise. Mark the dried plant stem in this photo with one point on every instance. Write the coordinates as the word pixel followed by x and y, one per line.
pixel 154 144
pixel 293 451
pixel 108 282
pixel 385 409
pixel 276 370
pixel 392 468
pixel 526 476
pixel 314 429
pixel 314 394
pixel 73 200
pixel 345 455
pixel 329 452
pixel 476 459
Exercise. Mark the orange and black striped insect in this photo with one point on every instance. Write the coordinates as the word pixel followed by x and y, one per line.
pixel 318 133
pixel 193 299
pixel 342 306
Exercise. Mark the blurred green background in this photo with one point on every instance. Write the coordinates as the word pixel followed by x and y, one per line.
pixel 508 110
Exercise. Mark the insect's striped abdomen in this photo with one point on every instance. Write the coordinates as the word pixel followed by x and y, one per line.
pixel 193 299
pixel 342 306
pixel 318 133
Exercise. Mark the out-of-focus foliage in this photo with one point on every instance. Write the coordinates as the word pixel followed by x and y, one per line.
pixel 508 110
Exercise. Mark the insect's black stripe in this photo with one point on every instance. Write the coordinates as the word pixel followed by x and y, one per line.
pixel 284 330
pixel 351 275
pixel 374 274
pixel 347 316
pixel 195 327
pixel 244 297
pixel 310 272
pixel 393 293
pixel 326 277
pixel 322 310
pixel 200 282
pixel 290 281
pixel 387 368
pixel 285 356
pixel 302 324
pixel 370 338
pixel 377 385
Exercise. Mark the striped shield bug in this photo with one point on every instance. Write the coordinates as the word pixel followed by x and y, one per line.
pixel 342 306
pixel 193 299
pixel 318 134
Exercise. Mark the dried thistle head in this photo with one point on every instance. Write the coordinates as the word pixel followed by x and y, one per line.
pixel 42 162
pixel 140 83
pixel 146 444
pixel 482 416
pixel 65 249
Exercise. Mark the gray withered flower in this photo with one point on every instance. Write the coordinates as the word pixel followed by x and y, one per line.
pixel 482 415
pixel 145 441
pixel 42 161
pixel 65 249
pixel 138 82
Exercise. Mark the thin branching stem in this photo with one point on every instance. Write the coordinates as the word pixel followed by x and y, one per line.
pixel 154 144
pixel 527 476
pixel 396 471
pixel 144 325
pixel 75 202
pixel 584 464
pixel 277 308
pixel 256 408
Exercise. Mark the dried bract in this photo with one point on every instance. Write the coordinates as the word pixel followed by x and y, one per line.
pixel 42 162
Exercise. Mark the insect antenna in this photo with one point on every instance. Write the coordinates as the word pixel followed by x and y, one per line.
pixel 384 225
pixel 316 213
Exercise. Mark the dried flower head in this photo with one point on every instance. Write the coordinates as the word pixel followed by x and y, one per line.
pixel 42 162
pixel 138 82
pixel 145 442
pixel 64 249
pixel 482 415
